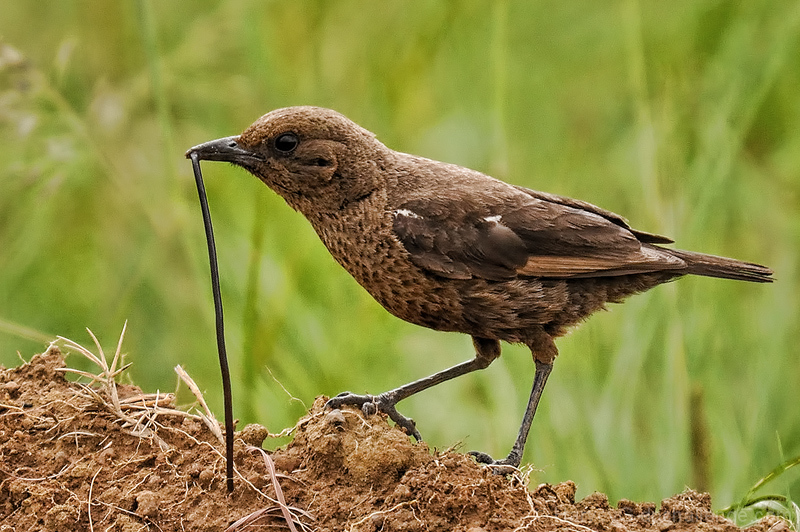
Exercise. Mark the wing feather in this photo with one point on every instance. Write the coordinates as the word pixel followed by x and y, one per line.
pixel 527 234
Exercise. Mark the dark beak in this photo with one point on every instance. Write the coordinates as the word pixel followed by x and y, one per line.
pixel 226 149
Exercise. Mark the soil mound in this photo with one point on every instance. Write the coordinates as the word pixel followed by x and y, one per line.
pixel 101 456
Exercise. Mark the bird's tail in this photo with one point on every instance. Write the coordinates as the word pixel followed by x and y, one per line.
pixel 713 266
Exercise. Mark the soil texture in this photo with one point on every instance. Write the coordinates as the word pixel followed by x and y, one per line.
pixel 106 456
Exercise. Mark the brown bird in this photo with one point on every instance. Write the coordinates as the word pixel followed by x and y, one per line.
pixel 452 249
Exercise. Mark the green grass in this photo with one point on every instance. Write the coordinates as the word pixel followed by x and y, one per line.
pixel 682 116
pixel 751 507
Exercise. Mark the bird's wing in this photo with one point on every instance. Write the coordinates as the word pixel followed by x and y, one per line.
pixel 642 236
pixel 528 234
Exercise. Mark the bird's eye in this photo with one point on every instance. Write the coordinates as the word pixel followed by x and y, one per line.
pixel 286 142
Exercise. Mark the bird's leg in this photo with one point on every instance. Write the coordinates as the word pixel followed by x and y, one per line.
pixel 485 352
pixel 544 352
pixel 515 456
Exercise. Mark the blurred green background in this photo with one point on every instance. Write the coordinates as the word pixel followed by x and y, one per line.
pixel 683 116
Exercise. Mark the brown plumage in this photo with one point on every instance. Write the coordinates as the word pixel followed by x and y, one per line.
pixel 452 249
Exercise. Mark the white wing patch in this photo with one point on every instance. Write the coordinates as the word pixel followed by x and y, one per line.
pixel 407 213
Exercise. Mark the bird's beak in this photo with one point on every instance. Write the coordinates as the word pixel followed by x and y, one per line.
pixel 225 149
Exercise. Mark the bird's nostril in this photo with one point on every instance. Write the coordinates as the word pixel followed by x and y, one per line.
pixel 232 144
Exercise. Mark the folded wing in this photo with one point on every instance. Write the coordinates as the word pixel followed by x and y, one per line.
pixel 525 234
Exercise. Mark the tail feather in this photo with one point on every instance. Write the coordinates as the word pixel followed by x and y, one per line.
pixel 722 267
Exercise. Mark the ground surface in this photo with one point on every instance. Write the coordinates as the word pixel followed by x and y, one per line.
pixel 74 457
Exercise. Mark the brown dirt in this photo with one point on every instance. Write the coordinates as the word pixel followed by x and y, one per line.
pixel 67 462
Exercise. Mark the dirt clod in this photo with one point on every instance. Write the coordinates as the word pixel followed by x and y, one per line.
pixel 66 459
pixel 254 434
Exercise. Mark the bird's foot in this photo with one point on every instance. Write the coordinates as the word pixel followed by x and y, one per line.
pixel 371 404
pixel 506 466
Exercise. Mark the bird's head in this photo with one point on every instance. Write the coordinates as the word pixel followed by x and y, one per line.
pixel 315 158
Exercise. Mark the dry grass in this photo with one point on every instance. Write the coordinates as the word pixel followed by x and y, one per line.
pixel 138 414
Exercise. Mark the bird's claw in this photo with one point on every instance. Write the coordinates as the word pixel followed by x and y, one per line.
pixel 369 408
pixel 372 404
pixel 349 398
pixel 481 458
pixel 499 467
